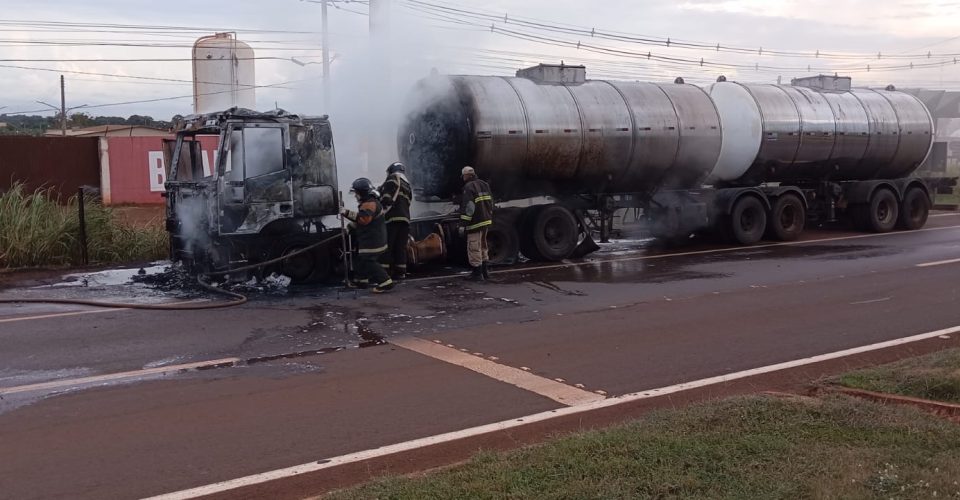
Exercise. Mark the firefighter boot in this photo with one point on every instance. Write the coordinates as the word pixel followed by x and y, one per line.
pixel 484 271
pixel 476 274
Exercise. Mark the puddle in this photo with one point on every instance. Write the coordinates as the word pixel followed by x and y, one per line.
pixel 108 277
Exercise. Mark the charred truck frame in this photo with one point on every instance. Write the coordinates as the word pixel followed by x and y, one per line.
pixel 266 193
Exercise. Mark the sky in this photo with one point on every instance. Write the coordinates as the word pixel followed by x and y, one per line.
pixel 874 42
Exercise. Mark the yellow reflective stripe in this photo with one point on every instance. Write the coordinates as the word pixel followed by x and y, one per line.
pixel 398 219
pixel 385 283
pixel 466 217
pixel 483 197
pixel 480 224
pixel 373 250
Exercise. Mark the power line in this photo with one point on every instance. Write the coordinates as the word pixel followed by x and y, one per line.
pixel 662 41
pixel 702 62
pixel 114 75
pixel 281 85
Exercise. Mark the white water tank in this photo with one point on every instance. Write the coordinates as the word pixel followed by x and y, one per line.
pixel 223 74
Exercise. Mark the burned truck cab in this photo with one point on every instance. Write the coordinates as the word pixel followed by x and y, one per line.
pixel 246 187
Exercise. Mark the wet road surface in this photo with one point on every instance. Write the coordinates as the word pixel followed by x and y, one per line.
pixel 313 373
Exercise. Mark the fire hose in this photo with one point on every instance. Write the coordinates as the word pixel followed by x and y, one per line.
pixel 237 299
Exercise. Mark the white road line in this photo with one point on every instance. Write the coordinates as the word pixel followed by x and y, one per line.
pixel 945 215
pixel 537 417
pixel 555 390
pixel 93 311
pixel 938 263
pixel 694 252
pixel 870 301
pixel 59 315
pixel 113 377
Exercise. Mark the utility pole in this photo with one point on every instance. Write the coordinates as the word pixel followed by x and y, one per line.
pixel 326 59
pixel 63 107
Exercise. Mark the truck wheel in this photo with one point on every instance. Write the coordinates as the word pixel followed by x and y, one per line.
pixel 787 218
pixel 554 232
pixel 503 244
pixel 748 221
pixel 308 267
pixel 882 212
pixel 914 210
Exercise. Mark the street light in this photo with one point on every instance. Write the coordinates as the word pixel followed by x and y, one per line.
pixel 63 117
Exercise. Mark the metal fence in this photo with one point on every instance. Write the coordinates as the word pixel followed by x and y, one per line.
pixel 60 163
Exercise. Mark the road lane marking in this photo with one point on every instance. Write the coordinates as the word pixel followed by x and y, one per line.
pixel 684 254
pixel 114 377
pixel 382 451
pixel 938 263
pixel 105 309
pixel 944 215
pixel 870 301
pixel 59 315
pixel 553 389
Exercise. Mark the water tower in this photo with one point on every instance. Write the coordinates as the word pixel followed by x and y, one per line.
pixel 223 74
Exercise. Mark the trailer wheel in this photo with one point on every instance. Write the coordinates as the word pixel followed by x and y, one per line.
pixel 787 218
pixel 914 210
pixel 748 221
pixel 503 244
pixel 881 214
pixel 553 233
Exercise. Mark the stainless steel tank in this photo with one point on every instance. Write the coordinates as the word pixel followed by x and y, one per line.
pixel 536 138
pixel 550 131
pixel 805 134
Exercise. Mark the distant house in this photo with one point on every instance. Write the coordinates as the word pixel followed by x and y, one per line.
pixel 111 131
pixel 3 124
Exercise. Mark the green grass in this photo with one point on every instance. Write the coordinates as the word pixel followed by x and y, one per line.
pixel 751 447
pixel 39 229
pixel 934 376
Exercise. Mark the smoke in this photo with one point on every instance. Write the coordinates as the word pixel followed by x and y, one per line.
pixel 371 83
pixel 193 213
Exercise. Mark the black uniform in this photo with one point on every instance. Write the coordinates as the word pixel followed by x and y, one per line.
pixel 371 233
pixel 396 194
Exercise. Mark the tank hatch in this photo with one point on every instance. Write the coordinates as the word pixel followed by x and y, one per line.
pixel 823 82
pixel 554 73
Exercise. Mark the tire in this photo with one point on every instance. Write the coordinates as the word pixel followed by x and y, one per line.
pixel 308 267
pixel 527 219
pixel 881 213
pixel 748 221
pixel 554 232
pixel 787 218
pixel 914 210
pixel 503 243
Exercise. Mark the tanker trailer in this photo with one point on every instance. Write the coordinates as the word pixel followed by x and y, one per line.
pixel 743 160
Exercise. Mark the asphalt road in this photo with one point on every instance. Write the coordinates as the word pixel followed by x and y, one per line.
pixel 309 375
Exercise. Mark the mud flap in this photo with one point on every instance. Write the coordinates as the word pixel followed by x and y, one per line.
pixel 586 247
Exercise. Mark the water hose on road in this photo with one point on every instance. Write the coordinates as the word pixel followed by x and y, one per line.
pixel 238 299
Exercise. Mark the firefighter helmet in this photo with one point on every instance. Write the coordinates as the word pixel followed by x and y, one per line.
pixel 362 186
pixel 396 167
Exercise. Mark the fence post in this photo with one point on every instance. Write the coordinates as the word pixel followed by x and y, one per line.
pixel 83 226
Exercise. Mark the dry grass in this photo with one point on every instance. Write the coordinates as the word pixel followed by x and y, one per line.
pixel 39 229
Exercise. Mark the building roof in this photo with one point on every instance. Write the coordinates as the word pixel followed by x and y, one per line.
pixel 110 130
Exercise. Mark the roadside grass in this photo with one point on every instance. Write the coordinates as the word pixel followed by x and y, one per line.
pixel 748 447
pixel 933 376
pixel 39 229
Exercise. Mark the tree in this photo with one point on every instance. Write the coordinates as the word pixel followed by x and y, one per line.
pixel 80 120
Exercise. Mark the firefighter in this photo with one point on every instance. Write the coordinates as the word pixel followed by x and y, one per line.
pixel 371 233
pixel 476 214
pixel 395 196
